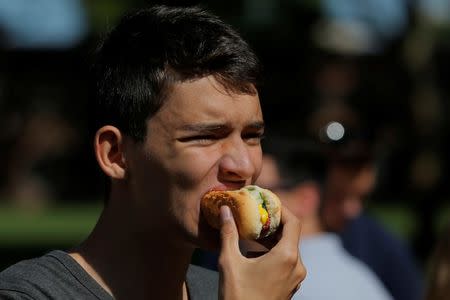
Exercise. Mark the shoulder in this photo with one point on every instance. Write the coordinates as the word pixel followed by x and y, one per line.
pixel 365 231
pixel 388 255
pixel 333 273
pixel 27 271
pixel 196 273
pixel 24 279
pixel 381 243
pixel 367 224
pixel 52 276
pixel 364 279
pixel 202 283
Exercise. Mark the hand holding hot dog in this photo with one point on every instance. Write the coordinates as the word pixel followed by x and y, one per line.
pixel 274 275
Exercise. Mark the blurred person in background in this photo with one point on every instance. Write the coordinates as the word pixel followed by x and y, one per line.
pixel 344 80
pixel 438 281
pixel 351 176
pixel 176 114
pixel 295 174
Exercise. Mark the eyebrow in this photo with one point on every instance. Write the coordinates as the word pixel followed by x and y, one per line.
pixel 209 127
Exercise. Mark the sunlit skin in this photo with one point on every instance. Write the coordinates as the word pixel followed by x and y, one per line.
pixel 202 138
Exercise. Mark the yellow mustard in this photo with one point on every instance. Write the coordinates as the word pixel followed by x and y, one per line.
pixel 263 213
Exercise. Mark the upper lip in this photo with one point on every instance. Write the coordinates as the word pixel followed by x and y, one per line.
pixel 229 185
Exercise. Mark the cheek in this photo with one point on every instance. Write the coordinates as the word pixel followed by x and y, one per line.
pixel 193 176
pixel 191 169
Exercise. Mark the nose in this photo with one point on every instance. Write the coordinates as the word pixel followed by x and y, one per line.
pixel 237 161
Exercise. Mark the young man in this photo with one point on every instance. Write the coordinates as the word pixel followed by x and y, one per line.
pixel 177 114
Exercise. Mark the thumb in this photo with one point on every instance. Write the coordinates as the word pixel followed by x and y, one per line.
pixel 228 231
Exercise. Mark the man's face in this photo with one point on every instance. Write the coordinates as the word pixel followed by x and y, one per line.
pixel 203 138
pixel 345 191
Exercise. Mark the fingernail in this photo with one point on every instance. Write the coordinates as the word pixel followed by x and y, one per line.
pixel 225 213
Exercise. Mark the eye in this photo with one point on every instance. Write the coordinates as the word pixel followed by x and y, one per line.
pixel 203 139
pixel 253 138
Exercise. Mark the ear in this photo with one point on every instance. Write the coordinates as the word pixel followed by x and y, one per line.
pixel 109 147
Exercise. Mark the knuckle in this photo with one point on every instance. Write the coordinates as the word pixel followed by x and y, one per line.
pixel 291 258
pixel 229 264
pixel 300 272
pixel 223 261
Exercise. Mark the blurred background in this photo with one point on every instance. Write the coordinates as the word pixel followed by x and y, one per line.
pixel 373 70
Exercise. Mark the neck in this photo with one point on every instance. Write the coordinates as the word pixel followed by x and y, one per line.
pixel 130 265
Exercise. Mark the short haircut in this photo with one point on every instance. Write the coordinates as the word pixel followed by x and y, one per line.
pixel 297 160
pixel 150 49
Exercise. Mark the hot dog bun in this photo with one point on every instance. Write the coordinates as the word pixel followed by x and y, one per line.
pixel 248 206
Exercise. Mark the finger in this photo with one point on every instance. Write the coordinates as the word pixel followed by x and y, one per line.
pixel 270 241
pixel 254 254
pixel 295 290
pixel 290 235
pixel 228 232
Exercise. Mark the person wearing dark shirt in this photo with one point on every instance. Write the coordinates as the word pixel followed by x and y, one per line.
pixel 387 255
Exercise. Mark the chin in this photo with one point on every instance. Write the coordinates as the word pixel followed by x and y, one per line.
pixel 200 236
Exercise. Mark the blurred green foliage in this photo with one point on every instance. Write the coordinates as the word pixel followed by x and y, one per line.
pixel 64 224
pixel 26 233
pixel 70 223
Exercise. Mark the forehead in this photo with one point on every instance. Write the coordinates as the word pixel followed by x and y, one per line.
pixel 206 101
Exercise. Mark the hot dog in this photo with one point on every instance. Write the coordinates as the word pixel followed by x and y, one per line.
pixel 256 211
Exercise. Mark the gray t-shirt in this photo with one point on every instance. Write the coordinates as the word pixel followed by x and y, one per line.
pixel 57 275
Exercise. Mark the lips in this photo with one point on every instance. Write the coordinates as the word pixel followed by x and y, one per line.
pixel 227 186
